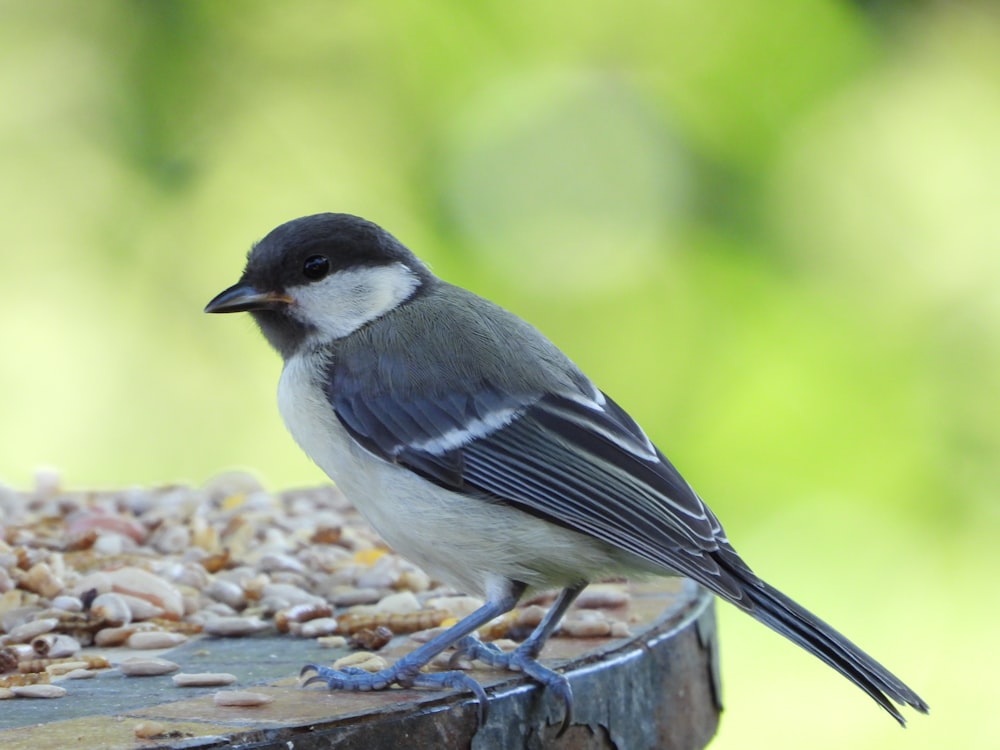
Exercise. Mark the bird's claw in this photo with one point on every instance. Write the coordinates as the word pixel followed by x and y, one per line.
pixel 473 649
pixel 402 674
pixel 521 659
pixel 458 681
pixel 354 679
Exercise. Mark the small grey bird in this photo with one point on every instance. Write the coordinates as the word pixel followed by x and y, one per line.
pixel 479 451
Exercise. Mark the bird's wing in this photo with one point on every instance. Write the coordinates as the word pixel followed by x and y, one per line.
pixel 575 460
pixel 580 461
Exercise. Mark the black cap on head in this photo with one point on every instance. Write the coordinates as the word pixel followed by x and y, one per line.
pixel 277 262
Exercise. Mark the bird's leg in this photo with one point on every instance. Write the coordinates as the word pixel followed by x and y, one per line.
pixel 524 657
pixel 407 670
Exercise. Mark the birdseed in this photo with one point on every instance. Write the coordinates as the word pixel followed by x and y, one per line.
pixel 203 679
pixel 148 568
pixel 241 698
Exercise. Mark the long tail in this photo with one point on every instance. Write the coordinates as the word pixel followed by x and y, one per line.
pixel 781 614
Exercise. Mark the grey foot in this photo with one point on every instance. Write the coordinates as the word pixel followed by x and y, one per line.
pixel 401 673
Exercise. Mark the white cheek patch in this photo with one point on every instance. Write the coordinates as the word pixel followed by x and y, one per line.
pixel 344 301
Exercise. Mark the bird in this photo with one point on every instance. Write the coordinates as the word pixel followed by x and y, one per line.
pixel 479 451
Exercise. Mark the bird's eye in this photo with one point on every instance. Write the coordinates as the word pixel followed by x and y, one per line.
pixel 316 267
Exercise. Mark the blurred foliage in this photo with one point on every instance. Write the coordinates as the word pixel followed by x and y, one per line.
pixel 768 228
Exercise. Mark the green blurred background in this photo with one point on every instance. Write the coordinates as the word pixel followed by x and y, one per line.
pixel 770 229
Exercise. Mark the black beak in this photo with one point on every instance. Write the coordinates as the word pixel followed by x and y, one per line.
pixel 243 298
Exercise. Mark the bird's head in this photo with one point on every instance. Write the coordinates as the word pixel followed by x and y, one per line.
pixel 320 278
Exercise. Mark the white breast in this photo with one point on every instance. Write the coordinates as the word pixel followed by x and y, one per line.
pixel 472 544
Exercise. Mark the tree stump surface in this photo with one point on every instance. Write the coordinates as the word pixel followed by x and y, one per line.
pixel 658 688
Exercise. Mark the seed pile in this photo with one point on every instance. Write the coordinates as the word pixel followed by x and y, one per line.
pixel 148 569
